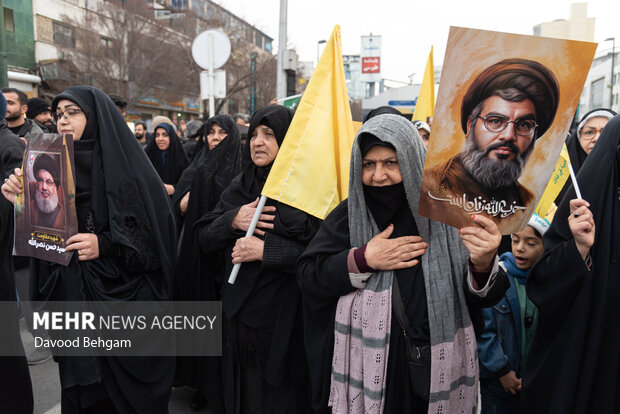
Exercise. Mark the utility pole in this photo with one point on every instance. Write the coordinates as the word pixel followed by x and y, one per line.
pixel 613 61
pixel 281 75
pixel 4 78
pixel 253 79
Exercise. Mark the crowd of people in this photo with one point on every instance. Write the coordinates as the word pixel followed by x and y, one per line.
pixel 374 309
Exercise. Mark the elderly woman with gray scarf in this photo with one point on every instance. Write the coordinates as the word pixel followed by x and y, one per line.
pixel 392 299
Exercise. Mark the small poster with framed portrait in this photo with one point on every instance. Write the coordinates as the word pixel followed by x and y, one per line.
pixel 45 215
pixel 504 107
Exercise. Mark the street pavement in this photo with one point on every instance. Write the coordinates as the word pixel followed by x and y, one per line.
pixel 46 385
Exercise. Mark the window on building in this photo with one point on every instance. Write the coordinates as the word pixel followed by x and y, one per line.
pixel 267 45
pixel 9 23
pixel 596 93
pixel 178 4
pixel 258 40
pixel 107 46
pixel 198 6
pixel 63 35
pixel 210 12
pixel 49 71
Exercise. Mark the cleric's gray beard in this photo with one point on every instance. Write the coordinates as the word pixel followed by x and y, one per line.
pixel 488 172
pixel 46 206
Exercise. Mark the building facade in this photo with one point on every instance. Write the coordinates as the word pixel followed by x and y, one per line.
pixel 17 46
pixel 601 89
pixel 578 26
pixel 61 43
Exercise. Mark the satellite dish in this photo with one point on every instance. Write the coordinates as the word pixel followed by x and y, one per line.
pixel 211 41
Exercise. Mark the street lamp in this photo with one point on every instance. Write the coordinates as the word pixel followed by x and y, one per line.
pixel 317 49
pixel 613 61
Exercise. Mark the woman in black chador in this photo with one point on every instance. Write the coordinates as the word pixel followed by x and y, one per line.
pixel 199 275
pixel 167 156
pixel 125 249
pixel 264 359
pixel 574 362
pixel 582 141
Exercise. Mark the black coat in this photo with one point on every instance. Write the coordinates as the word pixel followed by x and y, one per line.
pixel 199 275
pixel 11 149
pixel 574 365
pixel 15 386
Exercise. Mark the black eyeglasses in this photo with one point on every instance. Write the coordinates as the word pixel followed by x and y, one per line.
pixel 47 182
pixel 67 113
pixel 498 123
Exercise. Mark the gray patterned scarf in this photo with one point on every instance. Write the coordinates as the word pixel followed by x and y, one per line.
pixel 363 317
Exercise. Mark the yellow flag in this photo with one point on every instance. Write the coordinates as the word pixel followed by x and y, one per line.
pixel 558 178
pixel 311 171
pixel 425 105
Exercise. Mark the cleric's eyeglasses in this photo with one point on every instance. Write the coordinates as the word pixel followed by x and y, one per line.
pixel 67 113
pixel 498 123
pixel 47 182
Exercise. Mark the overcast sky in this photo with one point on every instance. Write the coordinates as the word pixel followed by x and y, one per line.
pixel 409 28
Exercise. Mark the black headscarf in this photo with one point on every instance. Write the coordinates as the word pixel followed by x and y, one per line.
pixel 278 118
pixel 127 200
pixel 123 202
pixel 176 159
pixel 578 311
pixel 203 154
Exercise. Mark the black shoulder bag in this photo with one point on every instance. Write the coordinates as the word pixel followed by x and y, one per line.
pixel 418 357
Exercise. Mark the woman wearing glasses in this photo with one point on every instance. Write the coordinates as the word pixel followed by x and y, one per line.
pixel 125 252
pixel 581 142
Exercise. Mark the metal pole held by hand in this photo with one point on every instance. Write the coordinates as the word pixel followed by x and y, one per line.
pixel 257 213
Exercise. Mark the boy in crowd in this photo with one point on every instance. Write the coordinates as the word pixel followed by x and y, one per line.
pixel 510 325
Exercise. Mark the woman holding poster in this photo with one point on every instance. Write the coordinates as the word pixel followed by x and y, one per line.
pixel 124 252
pixel 392 299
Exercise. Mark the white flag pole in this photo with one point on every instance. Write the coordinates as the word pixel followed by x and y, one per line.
pixel 574 179
pixel 257 213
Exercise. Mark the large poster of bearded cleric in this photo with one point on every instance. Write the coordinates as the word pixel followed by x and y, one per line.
pixel 45 215
pixel 505 104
